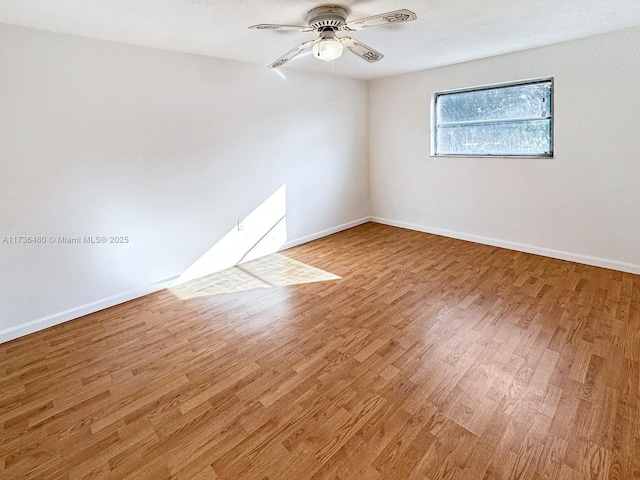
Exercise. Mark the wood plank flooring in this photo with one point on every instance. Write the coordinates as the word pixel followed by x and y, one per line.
pixel 374 353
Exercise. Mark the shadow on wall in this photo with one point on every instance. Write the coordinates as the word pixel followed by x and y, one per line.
pixel 245 258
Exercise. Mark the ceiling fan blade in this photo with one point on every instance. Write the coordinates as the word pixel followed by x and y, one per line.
pixel 396 16
pixel 292 53
pixel 269 26
pixel 362 50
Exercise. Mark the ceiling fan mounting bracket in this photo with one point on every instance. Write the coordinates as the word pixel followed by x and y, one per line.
pixel 327 18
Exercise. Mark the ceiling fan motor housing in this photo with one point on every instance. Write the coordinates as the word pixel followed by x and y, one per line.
pixel 328 17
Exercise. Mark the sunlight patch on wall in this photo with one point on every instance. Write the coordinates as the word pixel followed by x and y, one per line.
pixel 245 258
pixel 279 73
pixel 263 231
pixel 275 270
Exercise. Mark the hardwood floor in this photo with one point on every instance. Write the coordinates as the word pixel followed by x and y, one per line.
pixel 408 356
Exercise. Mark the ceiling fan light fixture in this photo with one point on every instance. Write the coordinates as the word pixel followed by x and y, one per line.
pixel 327 49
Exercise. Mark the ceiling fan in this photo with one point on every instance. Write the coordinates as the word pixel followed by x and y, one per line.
pixel 326 20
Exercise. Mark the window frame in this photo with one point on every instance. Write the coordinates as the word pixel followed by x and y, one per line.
pixel 530 81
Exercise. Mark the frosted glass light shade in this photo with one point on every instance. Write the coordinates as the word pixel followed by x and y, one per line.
pixel 328 49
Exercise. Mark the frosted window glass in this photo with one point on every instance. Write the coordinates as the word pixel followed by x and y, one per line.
pixel 508 120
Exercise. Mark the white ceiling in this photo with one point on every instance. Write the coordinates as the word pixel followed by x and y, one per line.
pixel 446 32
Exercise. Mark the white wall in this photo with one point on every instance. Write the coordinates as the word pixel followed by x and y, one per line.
pixel 168 149
pixel 171 150
pixel 583 205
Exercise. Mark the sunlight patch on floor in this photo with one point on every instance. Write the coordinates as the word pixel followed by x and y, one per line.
pixel 275 270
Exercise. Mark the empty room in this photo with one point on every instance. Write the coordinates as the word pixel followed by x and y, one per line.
pixel 264 239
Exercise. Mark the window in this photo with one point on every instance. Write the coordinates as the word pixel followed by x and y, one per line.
pixel 506 120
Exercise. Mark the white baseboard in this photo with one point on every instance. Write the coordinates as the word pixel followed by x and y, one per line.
pixel 324 233
pixel 73 313
pixel 521 247
pixel 23 329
